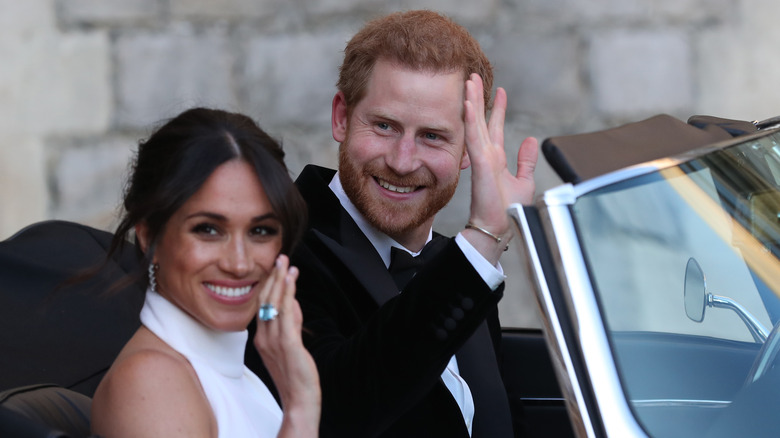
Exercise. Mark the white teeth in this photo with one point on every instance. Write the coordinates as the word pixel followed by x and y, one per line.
pixel 393 188
pixel 231 292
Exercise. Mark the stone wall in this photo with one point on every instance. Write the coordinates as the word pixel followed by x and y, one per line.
pixel 82 80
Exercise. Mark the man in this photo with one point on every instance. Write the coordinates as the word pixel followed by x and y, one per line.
pixel 420 362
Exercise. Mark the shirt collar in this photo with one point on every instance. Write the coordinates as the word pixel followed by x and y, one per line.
pixel 381 241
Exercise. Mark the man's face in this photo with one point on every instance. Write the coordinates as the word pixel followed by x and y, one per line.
pixel 402 148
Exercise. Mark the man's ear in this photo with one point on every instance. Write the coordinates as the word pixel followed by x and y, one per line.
pixel 142 236
pixel 465 161
pixel 338 117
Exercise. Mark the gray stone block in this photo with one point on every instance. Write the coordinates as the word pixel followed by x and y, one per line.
pixel 27 17
pixel 88 176
pixel 223 9
pixel 311 146
pixel 640 72
pixel 160 74
pixel 55 83
pixel 290 79
pixel 109 12
pixel 465 12
pixel 329 7
pixel 541 74
pixel 734 68
pixel 23 191
pixel 611 12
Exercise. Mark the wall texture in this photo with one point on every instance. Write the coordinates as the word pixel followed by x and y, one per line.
pixel 82 80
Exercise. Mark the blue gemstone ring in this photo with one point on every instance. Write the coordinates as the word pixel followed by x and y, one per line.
pixel 267 312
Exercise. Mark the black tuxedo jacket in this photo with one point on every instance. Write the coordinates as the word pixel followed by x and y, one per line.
pixel 380 354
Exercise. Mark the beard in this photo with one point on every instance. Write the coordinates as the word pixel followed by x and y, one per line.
pixel 394 218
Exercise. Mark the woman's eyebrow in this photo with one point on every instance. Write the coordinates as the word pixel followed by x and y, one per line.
pixel 223 218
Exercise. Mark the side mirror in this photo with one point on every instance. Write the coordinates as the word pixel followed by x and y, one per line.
pixel 694 291
pixel 697 299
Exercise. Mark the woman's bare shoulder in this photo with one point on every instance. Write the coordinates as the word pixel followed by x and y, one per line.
pixel 151 390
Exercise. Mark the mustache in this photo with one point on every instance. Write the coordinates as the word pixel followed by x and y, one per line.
pixel 420 178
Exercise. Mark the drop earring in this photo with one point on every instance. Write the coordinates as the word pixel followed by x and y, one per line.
pixel 153 268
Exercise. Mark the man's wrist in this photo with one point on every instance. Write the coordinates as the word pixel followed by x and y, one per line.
pixel 483 231
pixel 490 271
pixel 488 243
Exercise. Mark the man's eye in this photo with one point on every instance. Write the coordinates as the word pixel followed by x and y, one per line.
pixel 431 136
pixel 383 126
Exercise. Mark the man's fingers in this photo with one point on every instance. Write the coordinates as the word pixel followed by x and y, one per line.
pixel 527 157
pixel 474 92
pixel 497 115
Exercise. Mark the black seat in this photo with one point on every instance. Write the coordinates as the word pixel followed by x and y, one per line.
pixel 44 410
pixel 55 331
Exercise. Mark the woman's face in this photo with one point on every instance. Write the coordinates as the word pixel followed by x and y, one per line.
pixel 217 250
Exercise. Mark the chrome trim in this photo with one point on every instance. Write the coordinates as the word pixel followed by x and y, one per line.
pixel 567 193
pixel 757 330
pixel 543 399
pixel 769 123
pixel 614 411
pixel 714 404
pixel 561 195
pixel 553 333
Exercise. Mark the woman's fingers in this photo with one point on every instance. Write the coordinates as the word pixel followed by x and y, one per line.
pixel 270 294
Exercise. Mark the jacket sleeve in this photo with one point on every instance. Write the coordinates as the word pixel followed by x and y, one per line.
pixel 375 362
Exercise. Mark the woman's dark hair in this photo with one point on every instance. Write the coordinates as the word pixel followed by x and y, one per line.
pixel 180 156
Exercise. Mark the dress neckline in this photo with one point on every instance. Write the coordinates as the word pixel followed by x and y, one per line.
pixel 224 351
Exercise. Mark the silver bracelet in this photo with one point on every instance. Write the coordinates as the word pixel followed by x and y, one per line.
pixel 484 231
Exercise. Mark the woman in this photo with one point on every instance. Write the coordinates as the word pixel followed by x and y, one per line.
pixel 214 213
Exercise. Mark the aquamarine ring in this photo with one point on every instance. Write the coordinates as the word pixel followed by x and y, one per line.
pixel 267 312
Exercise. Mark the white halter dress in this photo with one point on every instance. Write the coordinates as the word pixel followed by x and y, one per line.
pixel 242 404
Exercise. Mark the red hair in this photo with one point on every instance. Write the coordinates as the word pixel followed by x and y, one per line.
pixel 421 40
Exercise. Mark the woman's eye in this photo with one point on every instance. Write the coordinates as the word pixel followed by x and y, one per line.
pixel 265 231
pixel 206 229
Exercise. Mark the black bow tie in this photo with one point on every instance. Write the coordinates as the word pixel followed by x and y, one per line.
pixel 404 266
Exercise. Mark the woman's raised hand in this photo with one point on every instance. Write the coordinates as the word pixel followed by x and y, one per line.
pixel 289 363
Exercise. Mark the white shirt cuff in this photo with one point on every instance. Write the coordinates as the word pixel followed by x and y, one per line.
pixel 493 276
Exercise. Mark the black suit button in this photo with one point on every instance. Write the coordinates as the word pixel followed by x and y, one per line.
pixel 467 303
pixel 440 334
pixel 450 324
pixel 457 314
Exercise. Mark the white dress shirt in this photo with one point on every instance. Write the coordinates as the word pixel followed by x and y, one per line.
pixel 492 275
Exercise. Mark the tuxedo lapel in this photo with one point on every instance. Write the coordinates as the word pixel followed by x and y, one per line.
pixel 333 226
pixel 364 263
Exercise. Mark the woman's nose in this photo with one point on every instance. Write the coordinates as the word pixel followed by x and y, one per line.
pixel 237 260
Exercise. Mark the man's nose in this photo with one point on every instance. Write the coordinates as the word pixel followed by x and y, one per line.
pixel 402 159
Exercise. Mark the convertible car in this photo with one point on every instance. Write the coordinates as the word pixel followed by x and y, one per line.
pixel 655 267
pixel 657 274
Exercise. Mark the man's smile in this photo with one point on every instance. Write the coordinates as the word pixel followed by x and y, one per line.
pixel 398 189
